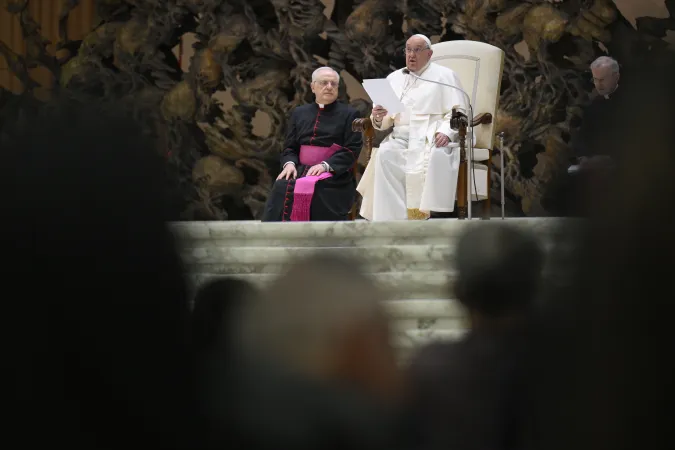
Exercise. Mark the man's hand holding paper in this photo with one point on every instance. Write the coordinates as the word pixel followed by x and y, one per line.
pixel 379 113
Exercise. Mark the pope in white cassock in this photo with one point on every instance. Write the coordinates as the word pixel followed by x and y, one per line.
pixel 415 169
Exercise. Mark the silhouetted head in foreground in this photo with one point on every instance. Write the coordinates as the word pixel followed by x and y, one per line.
pixel 323 319
pixel 499 270
pixel 95 308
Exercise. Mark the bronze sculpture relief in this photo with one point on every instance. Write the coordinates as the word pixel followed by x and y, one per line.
pixel 262 52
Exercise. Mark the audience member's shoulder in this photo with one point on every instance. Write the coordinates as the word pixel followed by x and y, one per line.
pixel 434 354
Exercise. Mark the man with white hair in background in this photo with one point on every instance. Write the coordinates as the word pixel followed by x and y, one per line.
pixel 416 167
pixel 590 150
pixel 592 146
pixel 317 181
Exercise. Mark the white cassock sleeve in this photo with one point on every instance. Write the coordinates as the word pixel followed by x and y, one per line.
pixel 387 122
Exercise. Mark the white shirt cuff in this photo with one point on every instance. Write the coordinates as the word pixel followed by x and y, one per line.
pixel 287 163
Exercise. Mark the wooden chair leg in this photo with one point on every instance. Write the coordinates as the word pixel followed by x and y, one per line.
pixel 461 190
pixel 462 187
pixel 353 214
pixel 364 126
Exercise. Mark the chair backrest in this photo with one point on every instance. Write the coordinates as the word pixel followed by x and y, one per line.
pixel 479 67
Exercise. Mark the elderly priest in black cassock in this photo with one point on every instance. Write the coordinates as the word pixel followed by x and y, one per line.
pixel 320 153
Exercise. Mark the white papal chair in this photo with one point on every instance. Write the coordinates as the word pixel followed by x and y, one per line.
pixel 479 67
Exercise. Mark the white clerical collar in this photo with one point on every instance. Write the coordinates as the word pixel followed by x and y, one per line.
pixel 421 71
pixel 611 93
pixel 324 105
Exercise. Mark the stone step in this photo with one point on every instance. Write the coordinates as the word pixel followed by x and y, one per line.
pixel 429 324
pixel 417 308
pixel 418 321
pixel 232 269
pixel 341 234
pixel 400 285
pixel 411 259
pixel 243 260
pixel 411 339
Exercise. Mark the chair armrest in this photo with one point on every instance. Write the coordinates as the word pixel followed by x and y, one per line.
pixel 482 119
pixel 364 126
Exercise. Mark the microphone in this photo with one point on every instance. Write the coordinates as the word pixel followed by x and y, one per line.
pixel 468 102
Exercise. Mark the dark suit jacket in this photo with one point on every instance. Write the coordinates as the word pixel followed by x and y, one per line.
pixel 594 137
pixel 469 394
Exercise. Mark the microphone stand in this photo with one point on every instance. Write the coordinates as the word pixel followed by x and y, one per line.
pixel 468 102
pixel 501 168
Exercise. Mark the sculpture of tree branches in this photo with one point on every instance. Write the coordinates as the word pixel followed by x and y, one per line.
pixel 262 52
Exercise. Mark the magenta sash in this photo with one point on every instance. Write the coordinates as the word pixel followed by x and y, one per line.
pixel 310 155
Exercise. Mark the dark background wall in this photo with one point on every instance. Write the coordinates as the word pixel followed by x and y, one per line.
pixel 214 80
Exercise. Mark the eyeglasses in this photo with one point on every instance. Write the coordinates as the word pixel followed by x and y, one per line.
pixel 414 50
pixel 324 83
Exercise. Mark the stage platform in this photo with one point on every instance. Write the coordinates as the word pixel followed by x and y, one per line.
pixel 411 259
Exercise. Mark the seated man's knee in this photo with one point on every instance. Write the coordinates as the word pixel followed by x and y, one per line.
pixel 448 149
pixel 280 184
pixel 386 153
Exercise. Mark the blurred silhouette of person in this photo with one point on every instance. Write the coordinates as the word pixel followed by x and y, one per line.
pixel 601 370
pixel 466 394
pixel 335 329
pixel 96 311
pixel 216 308
pixel 327 374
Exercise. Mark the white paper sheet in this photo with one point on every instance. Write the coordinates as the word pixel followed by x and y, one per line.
pixel 381 93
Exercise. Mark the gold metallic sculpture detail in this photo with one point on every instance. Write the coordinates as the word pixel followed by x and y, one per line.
pixel 263 52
